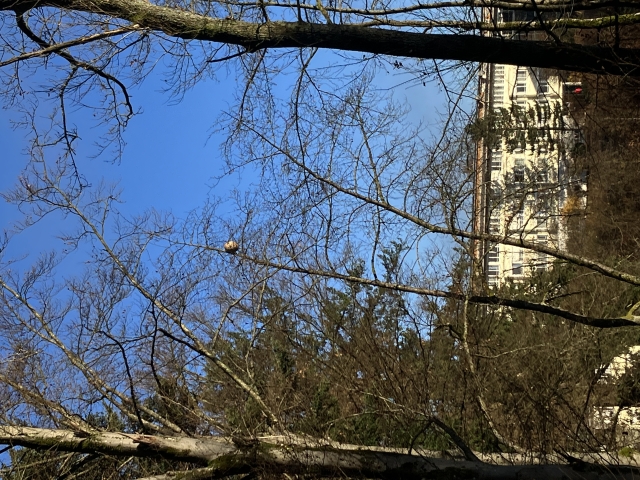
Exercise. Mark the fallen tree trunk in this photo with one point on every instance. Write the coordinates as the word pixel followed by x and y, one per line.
pixel 224 456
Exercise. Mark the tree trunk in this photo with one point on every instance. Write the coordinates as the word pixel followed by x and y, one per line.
pixel 227 456
pixel 255 36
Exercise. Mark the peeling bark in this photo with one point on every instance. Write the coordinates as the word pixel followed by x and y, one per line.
pixel 225 456
pixel 199 450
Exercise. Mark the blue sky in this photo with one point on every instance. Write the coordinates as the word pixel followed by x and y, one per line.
pixel 171 155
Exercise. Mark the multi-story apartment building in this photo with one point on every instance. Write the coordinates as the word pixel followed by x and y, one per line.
pixel 525 186
pixel 522 176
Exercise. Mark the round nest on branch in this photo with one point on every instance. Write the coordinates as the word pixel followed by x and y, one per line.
pixel 231 247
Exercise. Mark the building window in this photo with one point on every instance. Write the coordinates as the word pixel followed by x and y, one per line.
pixel 541 262
pixel 517 260
pixel 494 225
pixel 542 211
pixel 544 205
pixel 516 221
pixel 542 199
pixel 507 15
pixel 541 223
pixel 542 219
pixel 492 274
pixel 543 86
pixel 542 173
pixel 543 176
pixel 498 84
pixel 498 95
pixel 544 111
pixel 493 254
pixel 521 81
pixel 496 161
pixel 518 171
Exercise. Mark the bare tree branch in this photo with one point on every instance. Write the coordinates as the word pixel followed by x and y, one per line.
pixel 71 43
pixel 357 38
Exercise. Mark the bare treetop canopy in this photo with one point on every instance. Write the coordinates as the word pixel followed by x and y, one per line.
pixel 326 317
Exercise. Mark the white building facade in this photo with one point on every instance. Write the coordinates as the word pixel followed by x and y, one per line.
pixel 522 179
pixel 624 419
